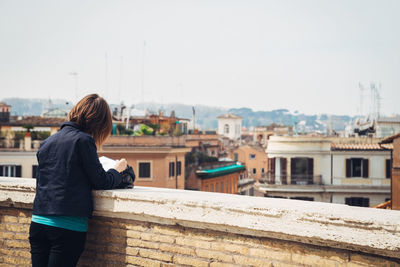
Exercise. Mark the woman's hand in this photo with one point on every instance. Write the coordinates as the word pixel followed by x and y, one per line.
pixel 120 165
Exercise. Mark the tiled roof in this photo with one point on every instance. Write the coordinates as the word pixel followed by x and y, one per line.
pixel 376 146
pixel 390 139
pixel 229 116
pixel 36 121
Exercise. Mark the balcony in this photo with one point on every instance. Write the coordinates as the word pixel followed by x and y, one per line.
pixel 165 227
pixel 298 179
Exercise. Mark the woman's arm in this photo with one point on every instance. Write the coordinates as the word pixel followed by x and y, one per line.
pixel 98 177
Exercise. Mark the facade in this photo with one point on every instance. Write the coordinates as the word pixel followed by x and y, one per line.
pixel 158 161
pixel 351 171
pixel 207 143
pixel 4 112
pixel 395 171
pixel 215 177
pixel 253 157
pixel 387 126
pixel 230 125
pixel 18 163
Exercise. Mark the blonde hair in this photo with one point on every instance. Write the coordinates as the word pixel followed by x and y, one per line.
pixel 93 115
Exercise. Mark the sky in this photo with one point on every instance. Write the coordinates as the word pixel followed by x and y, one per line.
pixel 304 55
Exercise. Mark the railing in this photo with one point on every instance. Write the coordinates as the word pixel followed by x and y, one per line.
pixel 13 143
pixel 295 179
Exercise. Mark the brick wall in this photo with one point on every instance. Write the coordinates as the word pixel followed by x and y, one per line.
pixel 165 227
pixel 122 242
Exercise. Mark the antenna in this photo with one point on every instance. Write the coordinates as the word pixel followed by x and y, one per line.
pixel 106 76
pixel 361 98
pixel 120 78
pixel 75 74
pixel 142 78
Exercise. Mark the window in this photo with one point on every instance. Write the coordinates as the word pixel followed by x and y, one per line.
pixel 171 169
pixel 10 170
pixel 303 198
pixel 357 167
pixel 235 157
pixel 207 188
pixel 178 168
pixel 216 187
pixel 302 170
pixel 254 171
pixel 226 128
pixel 262 170
pixel 251 191
pixel 144 170
pixel 252 156
pixel 34 171
pixel 357 201
pixel 212 187
pixel 388 168
pixel 222 187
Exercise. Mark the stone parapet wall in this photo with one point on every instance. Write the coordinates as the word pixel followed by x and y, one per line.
pixel 165 227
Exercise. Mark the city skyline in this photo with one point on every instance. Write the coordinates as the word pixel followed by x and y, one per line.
pixel 227 54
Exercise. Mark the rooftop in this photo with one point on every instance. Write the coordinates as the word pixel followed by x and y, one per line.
pixel 360 146
pixel 36 121
pixel 229 116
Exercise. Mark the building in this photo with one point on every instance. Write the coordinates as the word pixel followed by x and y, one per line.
pixel 351 171
pixel 230 125
pixel 4 112
pixel 253 157
pixel 222 177
pixel 158 161
pixel 395 170
pixel 207 143
pixel 159 123
pixel 387 126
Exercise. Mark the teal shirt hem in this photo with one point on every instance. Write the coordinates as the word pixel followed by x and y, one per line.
pixel 79 224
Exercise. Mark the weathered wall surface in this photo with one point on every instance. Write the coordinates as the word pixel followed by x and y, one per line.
pixel 161 227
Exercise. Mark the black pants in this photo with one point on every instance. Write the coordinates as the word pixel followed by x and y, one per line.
pixel 53 246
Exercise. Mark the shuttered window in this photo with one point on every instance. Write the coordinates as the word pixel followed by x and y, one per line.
pixel 171 169
pixel 357 167
pixel 178 168
pixel 11 170
pixel 144 170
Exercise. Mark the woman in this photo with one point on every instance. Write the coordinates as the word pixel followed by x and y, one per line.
pixel 69 169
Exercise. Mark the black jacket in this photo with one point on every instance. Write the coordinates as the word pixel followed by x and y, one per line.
pixel 69 168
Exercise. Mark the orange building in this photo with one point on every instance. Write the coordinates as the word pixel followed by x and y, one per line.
pixel 215 178
pixel 395 188
pixel 158 161
pixel 253 157
pixel 207 143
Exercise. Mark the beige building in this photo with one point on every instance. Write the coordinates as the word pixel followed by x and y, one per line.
pixel 18 163
pixel 351 171
pixel 158 161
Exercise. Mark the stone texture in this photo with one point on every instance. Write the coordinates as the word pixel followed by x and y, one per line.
pixel 127 232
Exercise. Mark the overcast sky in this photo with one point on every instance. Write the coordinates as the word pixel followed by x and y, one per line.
pixel 301 55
